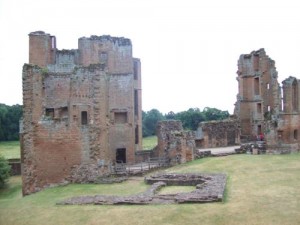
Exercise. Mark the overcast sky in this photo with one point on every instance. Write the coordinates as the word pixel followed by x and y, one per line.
pixel 188 48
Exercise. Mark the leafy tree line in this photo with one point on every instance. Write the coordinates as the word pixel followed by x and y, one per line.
pixel 9 122
pixel 190 118
pixel 10 116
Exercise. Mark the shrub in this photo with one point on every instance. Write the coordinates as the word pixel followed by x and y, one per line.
pixel 4 171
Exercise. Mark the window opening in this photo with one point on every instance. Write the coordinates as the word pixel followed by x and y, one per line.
pixel 136 103
pixel 256 86
pixel 295 134
pixel 136 134
pixel 49 112
pixel 120 117
pixel 258 107
pixel 84 118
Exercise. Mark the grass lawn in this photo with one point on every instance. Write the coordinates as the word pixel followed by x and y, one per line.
pixel 261 189
pixel 149 142
pixel 10 149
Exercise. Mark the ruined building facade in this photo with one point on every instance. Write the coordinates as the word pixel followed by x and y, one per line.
pixel 174 143
pixel 81 107
pixel 221 133
pixel 264 107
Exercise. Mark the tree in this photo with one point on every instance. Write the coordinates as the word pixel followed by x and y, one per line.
pixel 9 122
pixel 4 171
pixel 190 118
pixel 170 116
pixel 150 120
pixel 214 114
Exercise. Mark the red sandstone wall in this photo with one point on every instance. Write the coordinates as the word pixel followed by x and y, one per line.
pixel 42 48
pixel 58 99
pixel 119 53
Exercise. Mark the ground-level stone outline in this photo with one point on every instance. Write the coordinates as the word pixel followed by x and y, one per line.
pixel 209 188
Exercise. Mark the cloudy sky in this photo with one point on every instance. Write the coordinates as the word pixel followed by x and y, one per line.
pixel 188 48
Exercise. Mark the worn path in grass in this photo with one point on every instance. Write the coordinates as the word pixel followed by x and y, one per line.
pixel 261 189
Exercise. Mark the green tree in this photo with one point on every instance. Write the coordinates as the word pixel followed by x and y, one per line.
pixel 4 171
pixel 190 118
pixel 170 116
pixel 150 120
pixel 214 114
pixel 9 122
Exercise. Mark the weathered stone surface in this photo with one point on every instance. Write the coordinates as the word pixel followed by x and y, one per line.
pixel 209 188
pixel 174 144
pixel 222 133
pixel 82 110
pixel 265 108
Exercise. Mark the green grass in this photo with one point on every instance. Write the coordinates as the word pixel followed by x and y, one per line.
pixel 261 189
pixel 176 189
pixel 10 149
pixel 149 142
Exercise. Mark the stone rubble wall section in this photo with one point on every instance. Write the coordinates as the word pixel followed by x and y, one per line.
pixel 209 188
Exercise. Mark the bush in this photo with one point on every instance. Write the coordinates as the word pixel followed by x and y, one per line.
pixel 4 171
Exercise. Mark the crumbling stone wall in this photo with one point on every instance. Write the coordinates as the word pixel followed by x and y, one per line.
pixel 80 107
pixel 259 92
pixel 218 133
pixel 260 107
pixel 175 144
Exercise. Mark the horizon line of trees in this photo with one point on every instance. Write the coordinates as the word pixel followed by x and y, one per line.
pixel 11 115
pixel 9 121
pixel 190 119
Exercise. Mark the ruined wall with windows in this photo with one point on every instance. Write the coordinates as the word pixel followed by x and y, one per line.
pixel 265 107
pixel 81 106
pixel 222 133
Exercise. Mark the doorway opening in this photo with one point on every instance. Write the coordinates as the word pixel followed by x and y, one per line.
pixel 121 155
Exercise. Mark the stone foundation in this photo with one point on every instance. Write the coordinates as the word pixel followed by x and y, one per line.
pixel 209 188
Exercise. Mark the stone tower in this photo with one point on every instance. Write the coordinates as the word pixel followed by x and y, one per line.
pixel 263 106
pixel 82 107
pixel 259 92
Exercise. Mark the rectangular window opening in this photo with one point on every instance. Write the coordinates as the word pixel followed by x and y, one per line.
pixel 259 108
pixel 295 134
pixel 136 134
pixel 259 130
pixel 136 103
pixel 256 86
pixel 49 112
pixel 84 118
pixel 120 117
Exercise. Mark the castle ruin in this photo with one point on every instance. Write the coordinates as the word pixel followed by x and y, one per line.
pixel 82 108
pixel 264 108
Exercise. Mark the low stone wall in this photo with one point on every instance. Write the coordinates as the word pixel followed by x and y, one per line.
pixel 208 188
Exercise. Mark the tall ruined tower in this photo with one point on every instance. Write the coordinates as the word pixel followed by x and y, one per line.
pixel 263 107
pixel 82 108
pixel 259 92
